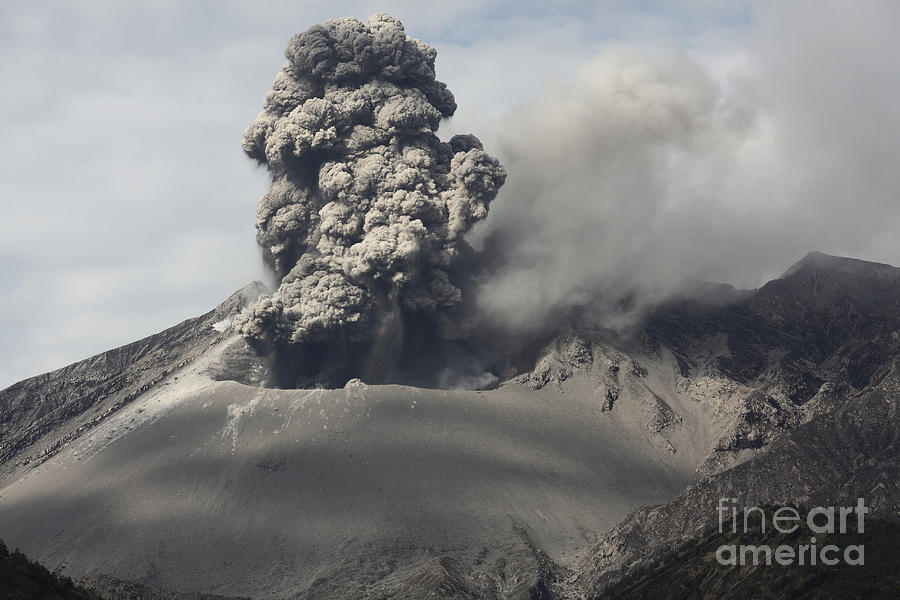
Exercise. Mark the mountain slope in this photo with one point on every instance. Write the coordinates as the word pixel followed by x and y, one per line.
pixel 832 460
pixel 193 480
pixel 799 345
pixel 691 571
pixel 40 414
pixel 24 579
pixel 222 487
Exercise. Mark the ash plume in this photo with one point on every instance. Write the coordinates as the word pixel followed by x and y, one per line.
pixel 649 166
pixel 363 223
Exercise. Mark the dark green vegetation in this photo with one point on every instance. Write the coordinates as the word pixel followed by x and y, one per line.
pixel 24 579
pixel 692 570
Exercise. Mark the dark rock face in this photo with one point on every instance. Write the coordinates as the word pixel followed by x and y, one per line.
pixel 825 319
pixel 819 347
pixel 851 453
pixel 827 327
pixel 401 572
pixel 41 414
pixel 692 571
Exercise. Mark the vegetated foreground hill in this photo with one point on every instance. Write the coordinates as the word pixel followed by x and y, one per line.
pixel 195 480
pixel 23 579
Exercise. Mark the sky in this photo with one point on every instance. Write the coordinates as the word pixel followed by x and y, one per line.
pixel 645 141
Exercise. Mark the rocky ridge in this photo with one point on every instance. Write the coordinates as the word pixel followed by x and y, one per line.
pixel 40 415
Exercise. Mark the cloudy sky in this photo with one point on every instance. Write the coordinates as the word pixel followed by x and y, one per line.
pixel 656 139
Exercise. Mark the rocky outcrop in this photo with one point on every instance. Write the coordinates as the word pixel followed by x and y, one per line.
pixel 40 415
pixel 799 379
pixel 831 460
pixel 104 587
pixel 761 362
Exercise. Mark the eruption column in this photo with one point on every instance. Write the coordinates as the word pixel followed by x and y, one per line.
pixel 364 221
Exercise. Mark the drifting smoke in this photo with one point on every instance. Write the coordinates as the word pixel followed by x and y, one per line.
pixel 612 175
pixel 364 221
pixel 650 166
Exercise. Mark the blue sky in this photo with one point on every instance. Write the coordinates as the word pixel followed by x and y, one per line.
pixel 128 205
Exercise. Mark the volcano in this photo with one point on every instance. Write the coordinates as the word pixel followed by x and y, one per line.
pixel 168 462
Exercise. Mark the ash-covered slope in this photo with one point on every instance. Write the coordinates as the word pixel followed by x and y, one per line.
pixel 41 414
pixel 203 483
pixel 226 488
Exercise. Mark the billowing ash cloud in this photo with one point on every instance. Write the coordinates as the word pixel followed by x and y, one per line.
pixel 629 179
pixel 364 220
pixel 653 165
